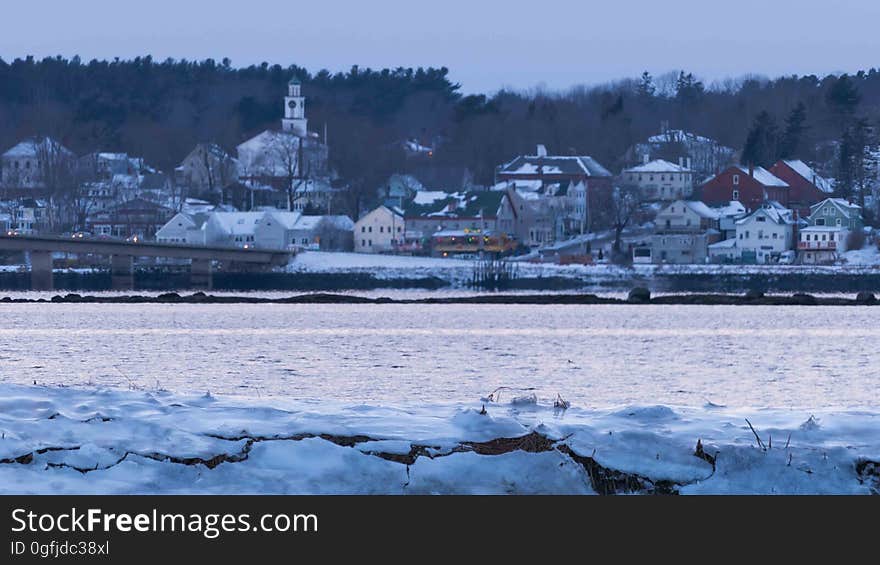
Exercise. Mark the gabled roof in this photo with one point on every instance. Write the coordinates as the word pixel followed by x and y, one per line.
pixel 30 147
pixel 237 223
pixel 658 166
pixel 555 165
pixel 777 213
pixel 763 176
pixel 457 205
pixel 701 209
pixel 810 175
pixel 732 208
pixel 846 208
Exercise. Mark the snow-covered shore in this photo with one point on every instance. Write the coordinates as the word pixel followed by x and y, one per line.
pixel 64 440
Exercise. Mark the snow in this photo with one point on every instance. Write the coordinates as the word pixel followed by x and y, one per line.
pixel 324 262
pixel 809 174
pixel 83 441
pixel 869 255
pixel 658 166
pixel 702 210
pixel 763 176
pixel 426 197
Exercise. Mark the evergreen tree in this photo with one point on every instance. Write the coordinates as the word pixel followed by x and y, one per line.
pixel 688 89
pixel 843 99
pixel 646 88
pixel 857 167
pixel 762 142
pixel 793 142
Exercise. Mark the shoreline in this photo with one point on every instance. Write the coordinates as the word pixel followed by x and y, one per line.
pixel 637 296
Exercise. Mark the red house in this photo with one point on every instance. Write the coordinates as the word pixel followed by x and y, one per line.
pixel 749 185
pixel 806 187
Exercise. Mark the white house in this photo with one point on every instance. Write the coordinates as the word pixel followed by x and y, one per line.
pixel 660 180
pixel 25 164
pixel 765 234
pixel 184 229
pixel 379 231
pixel 821 244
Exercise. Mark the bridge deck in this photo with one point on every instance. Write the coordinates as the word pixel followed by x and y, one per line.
pixel 148 249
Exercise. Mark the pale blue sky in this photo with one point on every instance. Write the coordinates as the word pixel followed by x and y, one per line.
pixel 487 44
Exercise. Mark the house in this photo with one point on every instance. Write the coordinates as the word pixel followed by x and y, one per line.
pixel 34 163
pixel 687 215
pixel 660 180
pixel 533 219
pixel 702 155
pixel 137 217
pixel 765 234
pixel 186 228
pixel 728 215
pixel 724 251
pixel 206 169
pixel 399 189
pixel 292 230
pixel 684 231
pixel 29 216
pixel 554 168
pixel 381 230
pixel 434 211
pixel 836 212
pixel 806 186
pixel 752 186
pixel 826 237
pixel 821 244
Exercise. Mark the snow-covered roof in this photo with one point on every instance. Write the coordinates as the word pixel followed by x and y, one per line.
pixel 238 223
pixel 679 136
pixel 658 166
pixel 555 165
pixel 809 174
pixel 846 208
pixel 822 229
pixel 341 222
pixel 424 197
pixel 701 209
pixel 30 147
pixel 763 176
pixel 285 218
pixel 726 244
pixel 777 213
pixel 733 208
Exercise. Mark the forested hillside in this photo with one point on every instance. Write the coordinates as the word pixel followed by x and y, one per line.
pixel 160 110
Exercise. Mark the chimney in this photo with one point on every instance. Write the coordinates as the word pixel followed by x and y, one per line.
pixel 542 151
pixel 751 170
pixel 681 161
pixel 646 158
pixel 689 163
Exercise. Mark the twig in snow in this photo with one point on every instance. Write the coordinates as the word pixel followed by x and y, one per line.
pixel 757 437
pixel 788 442
pixel 561 403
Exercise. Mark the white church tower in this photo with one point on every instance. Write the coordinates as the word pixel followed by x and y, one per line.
pixel 294 120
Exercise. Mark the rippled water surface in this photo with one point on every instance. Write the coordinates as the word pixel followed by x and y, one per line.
pixel 757 356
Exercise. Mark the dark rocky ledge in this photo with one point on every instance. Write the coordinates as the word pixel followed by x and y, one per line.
pixel 636 296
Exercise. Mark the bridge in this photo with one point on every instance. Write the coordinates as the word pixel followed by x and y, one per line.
pixel 122 254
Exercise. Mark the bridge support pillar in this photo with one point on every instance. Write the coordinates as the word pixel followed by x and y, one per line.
pixel 122 272
pixel 200 274
pixel 41 270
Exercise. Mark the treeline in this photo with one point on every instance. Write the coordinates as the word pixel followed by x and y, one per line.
pixel 161 109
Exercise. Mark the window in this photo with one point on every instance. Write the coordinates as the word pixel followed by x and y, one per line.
pixel 736 195
pixel 370 242
pixel 775 235
pixel 820 221
pixel 760 219
pixel 838 221
pixel 831 237
pixel 760 234
pixel 381 229
pixel 363 243
pixel 735 179
pixel 305 241
pixel 823 237
pixel 398 229
pixel 747 234
pixel 363 229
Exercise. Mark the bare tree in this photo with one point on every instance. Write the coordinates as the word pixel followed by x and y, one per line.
pixel 56 174
pixel 624 203
pixel 288 163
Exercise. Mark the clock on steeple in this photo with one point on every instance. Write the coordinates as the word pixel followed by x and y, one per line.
pixel 294 109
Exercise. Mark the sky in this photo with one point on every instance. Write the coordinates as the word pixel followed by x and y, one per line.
pixel 486 44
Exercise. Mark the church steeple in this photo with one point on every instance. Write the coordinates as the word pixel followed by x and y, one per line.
pixel 294 119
